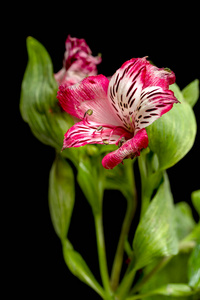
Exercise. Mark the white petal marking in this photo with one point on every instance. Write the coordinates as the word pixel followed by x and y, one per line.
pixel 124 91
pixel 153 101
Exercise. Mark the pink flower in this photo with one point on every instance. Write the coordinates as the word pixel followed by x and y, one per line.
pixel 118 111
pixel 78 62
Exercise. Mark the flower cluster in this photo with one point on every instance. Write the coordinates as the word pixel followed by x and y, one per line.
pixel 116 111
pixel 78 62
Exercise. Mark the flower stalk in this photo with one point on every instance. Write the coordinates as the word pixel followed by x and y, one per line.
pixel 118 260
pixel 102 254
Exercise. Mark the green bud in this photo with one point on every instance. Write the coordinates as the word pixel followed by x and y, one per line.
pixel 38 102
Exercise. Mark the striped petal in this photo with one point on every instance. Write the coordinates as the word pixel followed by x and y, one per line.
pixel 129 149
pixel 83 133
pixel 125 88
pixel 154 102
pixel 139 93
pixel 162 77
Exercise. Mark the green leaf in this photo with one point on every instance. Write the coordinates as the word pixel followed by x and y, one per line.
pixel 91 179
pixel 177 92
pixel 38 103
pixel 184 219
pixel 150 176
pixel 166 274
pixel 171 290
pixel 174 289
pixel 196 200
pixel 79 268
pixel 173 135
pixel 155 235
pixel 194 267
pixel 191 92
pixel 61 195
pixel 121 178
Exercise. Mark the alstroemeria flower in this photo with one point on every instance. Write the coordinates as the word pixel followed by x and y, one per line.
pixel 118 111
pixel 78 62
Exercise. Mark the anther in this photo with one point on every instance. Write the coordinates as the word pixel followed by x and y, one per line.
pixel 99 128
pixel 89 112
pixel 121 142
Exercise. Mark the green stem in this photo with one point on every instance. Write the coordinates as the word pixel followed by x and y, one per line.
pixel 130 212
pixel 118 260
pixel 125 285
pixel 102 254
pixel 145 196
pixel 145 200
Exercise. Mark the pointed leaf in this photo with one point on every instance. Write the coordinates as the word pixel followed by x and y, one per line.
pixel 175 271
pixel 194 267
pixel 177 92
pixel 173 135
pixel 191 92
pixel 38 103
pixel 173 290
pixel 196 200
pixel 61 196
pixel 184 219
pixel 155 235
pixel 79 268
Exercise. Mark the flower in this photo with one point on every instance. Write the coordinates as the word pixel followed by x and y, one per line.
pixel 118 111
pixel 78 62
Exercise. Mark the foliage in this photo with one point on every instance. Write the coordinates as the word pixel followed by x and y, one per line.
pixel 166 238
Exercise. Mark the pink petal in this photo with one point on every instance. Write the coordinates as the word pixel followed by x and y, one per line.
pixel 78 62
pixel 125 88
pixel 74 45
pixel 78 57
pixel 154 102
pixel 90 93
pixel 158 76
pixel 129 149
pixel 83 133
pixel 139 92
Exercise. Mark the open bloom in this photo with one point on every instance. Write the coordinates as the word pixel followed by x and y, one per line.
pixel 78 62
pixel 118 111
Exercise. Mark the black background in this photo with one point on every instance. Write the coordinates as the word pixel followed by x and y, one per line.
pixel 170 39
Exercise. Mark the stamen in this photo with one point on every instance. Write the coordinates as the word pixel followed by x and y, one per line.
pixel 120 139
pixel 89 112
pixel 121 142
